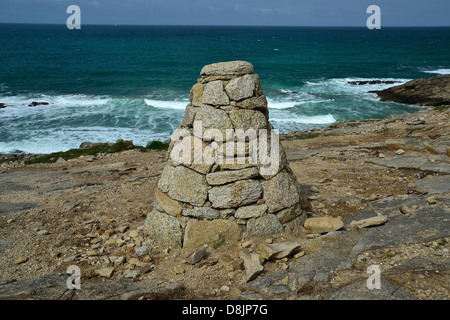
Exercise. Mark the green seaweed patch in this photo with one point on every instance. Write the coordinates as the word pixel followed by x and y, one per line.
pixel 308 136
pixel 157 145
pixel 441 108
pixel 119 146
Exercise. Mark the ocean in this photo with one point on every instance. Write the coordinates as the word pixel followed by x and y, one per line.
pixel 104 83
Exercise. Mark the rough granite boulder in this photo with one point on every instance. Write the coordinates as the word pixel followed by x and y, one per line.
pixel 227 175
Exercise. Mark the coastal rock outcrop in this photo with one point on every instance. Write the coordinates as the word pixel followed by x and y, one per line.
pixel 38 103
pixel 227 175
pixel 434 91
pixel 365 82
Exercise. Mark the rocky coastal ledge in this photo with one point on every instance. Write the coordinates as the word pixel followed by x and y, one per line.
pixel 434 91
pixel 377 192
pixel 89 212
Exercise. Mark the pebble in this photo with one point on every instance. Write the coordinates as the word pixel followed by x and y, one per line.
pixel 43 233
pixel 196 256
pixel 142 251
pixel 120 242
pixel 21 260
pixel 134 234
pixel 178 270
pixel 105 272
pixel 92 253
pixel 224 289
pixel 72 258
pixel 123 229
pixel 247 243
pixel 130 273
pixel 405 210
pixel 119 261
pixel 400 151
pixel 430 200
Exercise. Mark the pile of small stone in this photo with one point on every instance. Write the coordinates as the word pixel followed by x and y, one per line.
pixel 216 198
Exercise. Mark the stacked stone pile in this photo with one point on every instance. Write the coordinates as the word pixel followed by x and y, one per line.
pixel 218 183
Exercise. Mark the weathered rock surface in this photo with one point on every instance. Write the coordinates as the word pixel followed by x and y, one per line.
pixel 224 177
pixel 281 192
pixel 240 88
pixel 248 212
pixel 163 229
pixel 184 184
pixel 227 68
pixel 235 194
pixel 266 225
pixel 202 213
pixel 200 232
pixel 213 94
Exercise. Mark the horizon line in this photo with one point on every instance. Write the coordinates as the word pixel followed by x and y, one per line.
pixel 218 25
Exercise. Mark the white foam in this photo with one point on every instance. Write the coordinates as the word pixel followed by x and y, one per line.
pixel 281 104
pixel 438 71
pixel 76 100
pixel 178 105
pixel 341 85
pixel 63 139
pixel 320 119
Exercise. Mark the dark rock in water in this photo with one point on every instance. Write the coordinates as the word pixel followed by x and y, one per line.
pixel 359 83
pixel 434 91
pixel 35 103
pixel 2 105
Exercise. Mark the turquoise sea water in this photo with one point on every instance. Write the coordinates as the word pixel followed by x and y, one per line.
pixel 103 83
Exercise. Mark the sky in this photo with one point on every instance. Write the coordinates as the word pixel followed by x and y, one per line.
pixel 229 12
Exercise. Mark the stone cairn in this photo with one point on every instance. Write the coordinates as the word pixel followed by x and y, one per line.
pixel 220 189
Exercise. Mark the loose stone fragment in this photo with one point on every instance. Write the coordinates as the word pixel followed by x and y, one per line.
pixel 369 222
pixel 322 224
pixel 279 250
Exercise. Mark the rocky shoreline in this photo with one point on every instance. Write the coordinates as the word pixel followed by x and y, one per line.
pixel 377 194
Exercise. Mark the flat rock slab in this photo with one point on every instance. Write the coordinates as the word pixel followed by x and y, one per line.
pixel 54 287
pixel 425 224
pixel 42 182
pixel 6 243
pixel 11 207
pixel 358 290
pixel 336 251
pixel 419 163
pixel 432 184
